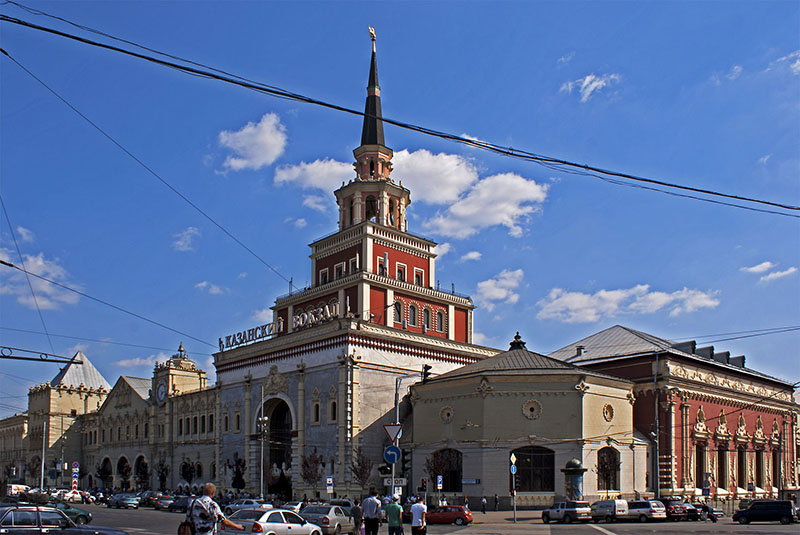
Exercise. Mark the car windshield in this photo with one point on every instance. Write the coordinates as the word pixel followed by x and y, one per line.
pixel 247 514
pixel 316 510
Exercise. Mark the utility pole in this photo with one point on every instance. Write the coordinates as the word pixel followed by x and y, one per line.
pixel 396 442
pixel 44 443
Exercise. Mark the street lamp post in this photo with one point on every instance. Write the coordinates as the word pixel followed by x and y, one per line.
pixel 263 430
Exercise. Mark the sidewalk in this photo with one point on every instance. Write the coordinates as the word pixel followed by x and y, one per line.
pixel 501 517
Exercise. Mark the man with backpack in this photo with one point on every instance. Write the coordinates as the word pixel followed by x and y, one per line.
pixel 204 514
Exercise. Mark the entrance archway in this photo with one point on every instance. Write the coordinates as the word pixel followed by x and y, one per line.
pixel 278 448
pixel 141 473
pixel 124 472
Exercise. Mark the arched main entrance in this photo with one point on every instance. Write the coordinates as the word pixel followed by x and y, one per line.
pixel 278 448
pixel 124 471
pixel 141 473
pixel 105 473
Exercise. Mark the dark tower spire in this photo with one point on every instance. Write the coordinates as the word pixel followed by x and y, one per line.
pixel 372 132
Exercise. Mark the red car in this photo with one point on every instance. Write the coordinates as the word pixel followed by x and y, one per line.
pixel 450 514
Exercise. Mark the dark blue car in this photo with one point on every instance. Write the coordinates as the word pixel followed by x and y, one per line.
pixel 32 519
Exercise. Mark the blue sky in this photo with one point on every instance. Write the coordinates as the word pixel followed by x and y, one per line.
pixel 704 94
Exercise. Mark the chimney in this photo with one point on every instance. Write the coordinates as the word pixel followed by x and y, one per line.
pixel 737 361
pixel 723 356
pixel 706 352
pixel 579 350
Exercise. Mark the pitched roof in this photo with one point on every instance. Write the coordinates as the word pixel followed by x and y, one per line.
pixel 518 360
pixel 74 374
pixel 612 342
pixel 140 385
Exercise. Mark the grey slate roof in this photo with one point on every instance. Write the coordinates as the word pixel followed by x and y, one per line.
pixel 140 385
pixel 80 374
pixel 612 342
pixel 519 361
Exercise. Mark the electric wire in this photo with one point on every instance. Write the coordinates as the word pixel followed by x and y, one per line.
pixel 551 162
pixel 149 169
pixel 115 307
pixel 27 277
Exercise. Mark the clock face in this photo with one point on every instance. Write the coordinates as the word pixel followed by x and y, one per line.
pixel 161 392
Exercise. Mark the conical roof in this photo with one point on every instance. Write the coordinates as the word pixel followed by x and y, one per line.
pixel 372 131
pixel 75 374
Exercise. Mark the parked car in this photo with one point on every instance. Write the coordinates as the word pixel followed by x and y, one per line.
pixel 675 509
pixel 71 496
pixel 609 510
pixel 79 516
pixel 331 518
pixel 127 501
pixel 40 520
pixel 295 507
pixel 346 504
pixel 782 511
pixel 162 502
pixel 272 521
pixel 646 510
pixel 450 514
pixel 180 504
pixel 567 512
pixel 246 503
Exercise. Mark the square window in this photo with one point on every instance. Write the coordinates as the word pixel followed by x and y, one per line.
pixel 419 277
pixel 323 276
pixel 401 272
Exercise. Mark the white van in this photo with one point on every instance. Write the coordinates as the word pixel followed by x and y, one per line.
pixel 14 490
pixel 609 510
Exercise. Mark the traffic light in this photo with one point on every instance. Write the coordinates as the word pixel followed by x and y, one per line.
pixel 426 372
pixel 405 462
pixel 385 469
pixel 423 485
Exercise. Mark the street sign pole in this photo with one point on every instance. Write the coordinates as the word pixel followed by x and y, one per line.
pixel 514 484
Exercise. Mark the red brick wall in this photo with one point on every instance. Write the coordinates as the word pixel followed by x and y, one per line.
pixel 377 304
pixel 460 333
pixel 396 256
pixel 330 261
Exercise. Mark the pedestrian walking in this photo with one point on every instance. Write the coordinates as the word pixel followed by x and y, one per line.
pixel 355 512
pixel 496 502
pixel 204 514
pixel 483 505
pixel 371 511
pixel 394 516
pixel 419 522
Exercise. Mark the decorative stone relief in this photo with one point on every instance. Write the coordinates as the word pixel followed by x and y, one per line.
pixel 315 394
pixel 582 387
pixel 275 382
pixel 700 421
pixel 631 397
pixel 608 412
pixel 722 432
pixel 531 409
pixel 741 430
pixel 484 388
pixel 446 415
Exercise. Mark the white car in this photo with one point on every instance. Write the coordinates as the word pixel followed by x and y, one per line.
pixel 278 521
pixel 72 496
pixel 293 506
pixel 246 503
pixel 646 510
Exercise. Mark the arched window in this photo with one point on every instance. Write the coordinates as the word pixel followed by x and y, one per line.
pixel 350 211
pixel 391 212
pixel 333 412
pixel 371 207
pixel 426 318
pixel 439 321
pixel 398 312
pixel 722 466
pixel 535 469
pixel 608 469
pixel 412 315
pixel 741 468
pixel 447 463
pixel 759 465
pixel 699 464
pixel 315 416
pixel 199 471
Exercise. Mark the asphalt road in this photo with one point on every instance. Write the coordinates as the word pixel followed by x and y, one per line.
pixel 147 521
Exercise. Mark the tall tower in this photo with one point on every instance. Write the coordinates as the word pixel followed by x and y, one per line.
pixel 373 268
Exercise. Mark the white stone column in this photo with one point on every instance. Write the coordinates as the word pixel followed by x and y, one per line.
pixel 451 322
pixel 342 304
pixel 357 208
pixel 363 299
pixel 389 314
pixel 289 314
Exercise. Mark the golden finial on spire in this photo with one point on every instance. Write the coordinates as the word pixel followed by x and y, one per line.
pixel 372 36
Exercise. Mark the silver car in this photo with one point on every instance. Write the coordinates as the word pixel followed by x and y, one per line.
pixel 333 519
pixel 246 503
pixel 277 521
pixel 646 510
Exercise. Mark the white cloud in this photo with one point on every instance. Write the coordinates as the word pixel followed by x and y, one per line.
pixel 480 338
pixel 76 348
pixel 759 268
pixel 590 84
pixel 25 235
pixel 48 296
pixel 735 72
pixel 505 199
pixel 263 315
pixel 566 58
pixel 472 255
pixel 212 289
pixel 578 307
pixel 778 274
pixel 255 145
pixel 442 249
pixel 143 361
pixel 242 275
pixel 316 202
pixel 434 178
pixel 764 159
pixel 325 175
pixel 792 60
pixel 500 288
pixel 471 138
pixel 298 223
pixel 184 241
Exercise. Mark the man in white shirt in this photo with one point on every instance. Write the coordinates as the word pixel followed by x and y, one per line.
pixel 371 510
pixel 418 521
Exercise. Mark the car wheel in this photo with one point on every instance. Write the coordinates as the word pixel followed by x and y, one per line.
pixel 567 519
pixel 81 520
pixel 642 518
pixel 608 519
pixel 338 530
pixel 459 521
pixel 786 520
pixel 744 520
pixel 546 518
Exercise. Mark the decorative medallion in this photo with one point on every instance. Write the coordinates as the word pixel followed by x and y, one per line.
pixel 531 409
pixel 484 388
pixel 446 414
pixel 608 412
pixel 275 382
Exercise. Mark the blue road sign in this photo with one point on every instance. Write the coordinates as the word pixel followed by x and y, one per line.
pixel 513 468
pixel 439 482
pixel 392 454
pixel 706 492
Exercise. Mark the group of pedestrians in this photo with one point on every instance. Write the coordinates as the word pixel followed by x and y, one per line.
pixel 369 513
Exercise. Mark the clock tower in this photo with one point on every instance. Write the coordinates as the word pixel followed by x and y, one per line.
pixel 178 375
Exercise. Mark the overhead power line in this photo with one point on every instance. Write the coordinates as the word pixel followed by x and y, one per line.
pixel 547 161
pixel 115 307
